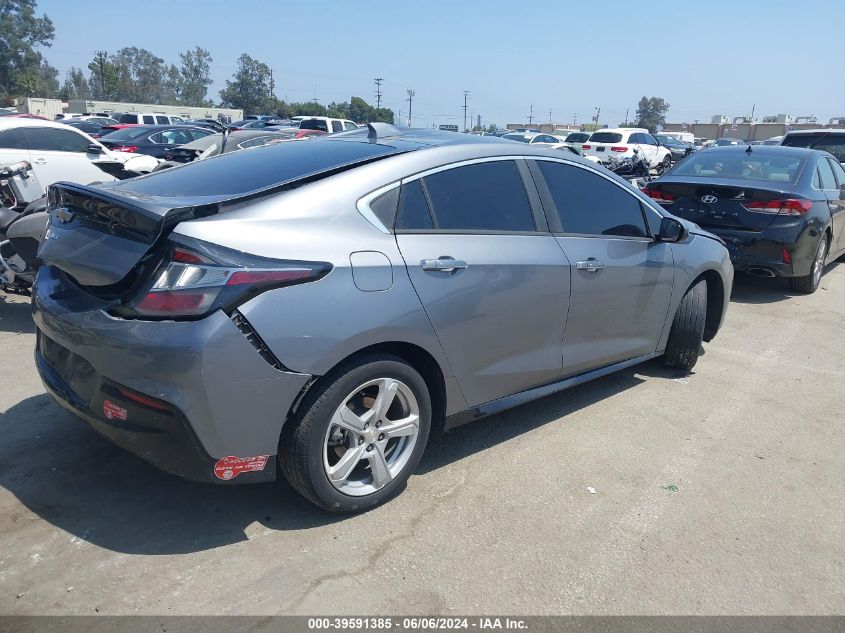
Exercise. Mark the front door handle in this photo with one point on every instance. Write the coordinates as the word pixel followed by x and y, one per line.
pixel 40 161
pixel 443 264
pixel 591 265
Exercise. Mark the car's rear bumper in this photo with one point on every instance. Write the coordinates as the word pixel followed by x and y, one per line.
pixel 776 252
pixel 214 396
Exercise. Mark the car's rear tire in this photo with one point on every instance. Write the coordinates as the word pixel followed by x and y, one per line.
pixel 809 283
pixel 664 165
pixel 684 344
pixel 348 451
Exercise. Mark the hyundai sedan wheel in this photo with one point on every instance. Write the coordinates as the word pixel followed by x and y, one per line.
pixel 809 283
pixel 361 434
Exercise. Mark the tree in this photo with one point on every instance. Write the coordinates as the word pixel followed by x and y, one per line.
pixel 105 80
pixel 76 85
pixel 23 71
pixel 249 88
pixel 194 77
pixel 651 113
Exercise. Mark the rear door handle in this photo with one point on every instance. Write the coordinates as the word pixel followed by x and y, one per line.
pixel 40 161
pixel 591 265
pixel 443 264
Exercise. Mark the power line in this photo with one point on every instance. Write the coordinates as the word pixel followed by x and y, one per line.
pixel 466 96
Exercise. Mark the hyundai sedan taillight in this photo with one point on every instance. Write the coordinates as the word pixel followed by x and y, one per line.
pixel 789 206
pixel 200 278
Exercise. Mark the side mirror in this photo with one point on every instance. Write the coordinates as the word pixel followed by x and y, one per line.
pixel 670 230
pixel 93 148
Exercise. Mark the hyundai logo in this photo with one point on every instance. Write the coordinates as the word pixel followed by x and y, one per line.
pixel 709 199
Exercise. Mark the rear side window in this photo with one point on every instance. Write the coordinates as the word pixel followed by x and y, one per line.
pixel 384 207
pixel 413 214
pixel 826 175
pixel 588 204
pixel 838 172
pixel 481 197
pixel 148 119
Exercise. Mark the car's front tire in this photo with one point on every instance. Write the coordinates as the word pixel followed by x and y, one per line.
pixel 687 331
pixel 359 434
pixel 809 283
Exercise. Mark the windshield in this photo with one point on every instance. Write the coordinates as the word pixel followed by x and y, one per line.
pixel 759 165
pixel 669 141
pixel 606 137
pixel 833 143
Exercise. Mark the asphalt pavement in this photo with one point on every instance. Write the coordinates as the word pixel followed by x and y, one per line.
pixel 645 492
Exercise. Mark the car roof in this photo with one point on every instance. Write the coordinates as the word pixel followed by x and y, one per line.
pixel 816 131
pixel 780 150
pixel 10 122
pixel 622 130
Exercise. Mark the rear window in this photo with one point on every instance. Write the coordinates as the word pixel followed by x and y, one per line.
pixel 517 137
pixel 239 173
pixel 833 143
pixel 578 137
pixel 606 137
pixel 741 165
pixel 314 124
pixel 128 118
pixel 127 133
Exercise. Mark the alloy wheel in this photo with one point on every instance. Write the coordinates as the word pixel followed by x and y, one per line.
pixel 371 436
pixel 818 262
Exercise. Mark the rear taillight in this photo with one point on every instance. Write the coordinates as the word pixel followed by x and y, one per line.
pixel 194 282
pixel 619 149
pixel 660 196
pixel 789 206
pixel 125 148
pixel 586 147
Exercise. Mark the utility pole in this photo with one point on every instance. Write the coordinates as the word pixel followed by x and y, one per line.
pixel 531 115
pixel 550 115
pixel 574 119
pixel 466 96
pixel 378 81
pixel 598 114
pixel 626 117
pixel 752 113
pixel 101 62
pixel 411 94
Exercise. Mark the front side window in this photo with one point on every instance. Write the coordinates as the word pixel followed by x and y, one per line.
pixel 349 125
pixel 588 204
pixel 162 120
pixel 482 197
pixel 337 126
pixel 53 140
pixel 12 139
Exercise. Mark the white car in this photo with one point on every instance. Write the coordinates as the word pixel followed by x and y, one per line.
pixel 149 118
pixel 534 138
pixel 59 152
pixel 621 143
pixel 326 124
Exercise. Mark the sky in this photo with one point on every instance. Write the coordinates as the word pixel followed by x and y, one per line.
pixel 567 56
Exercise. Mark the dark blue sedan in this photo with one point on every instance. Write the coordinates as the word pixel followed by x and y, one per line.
pixel 780 210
